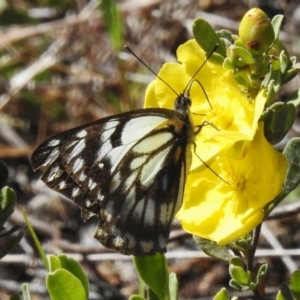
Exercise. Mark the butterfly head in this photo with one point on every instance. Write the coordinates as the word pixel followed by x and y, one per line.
pixel 183 104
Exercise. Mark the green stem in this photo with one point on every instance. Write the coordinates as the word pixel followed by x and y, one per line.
pixel 251 255
pixel 253 246
pixel 236 252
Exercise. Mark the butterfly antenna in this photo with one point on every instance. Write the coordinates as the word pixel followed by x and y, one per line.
pixel 156 75
pixel 192 79
pixel 189 85
pixel 208 167
pixel 205 94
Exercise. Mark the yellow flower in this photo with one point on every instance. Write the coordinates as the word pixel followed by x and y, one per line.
pixel 226 106
pixel 224 210
pixel 250 171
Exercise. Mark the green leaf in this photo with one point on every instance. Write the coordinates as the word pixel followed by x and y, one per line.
pixel 286 292
pixel 153 296
pixel 228 65
pixel 207 38
pixel 243 55
pixel 15 297
pixel 271 93
pixel 3 174
pixel 212 249
pixel 153 271
pixel 276 73
pixel 7 200
pixel 239 275
pixel 54 263
pixel 216 58
pixel 278 120
pixel 221 295
pixel 290 74
pixel 276 23
pixel 261 274
pixel 284 62
pixel 280 296
pixel 237 262
pixel 136 297
pixel 226 37
pixel 260 68
pixel 292 154
pixel 62 285
pixel 10 244
pixel 242 244
pixel 26 292
pixel 235 285
pixel 295 284
pixel 74 268
pixel 7 204
pixel 294 98
pixel 173 286
pixel 242 78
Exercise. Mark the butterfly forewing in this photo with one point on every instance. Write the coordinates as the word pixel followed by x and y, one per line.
pixel 128 169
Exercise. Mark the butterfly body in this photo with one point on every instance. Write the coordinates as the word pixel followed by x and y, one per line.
pixel 129 170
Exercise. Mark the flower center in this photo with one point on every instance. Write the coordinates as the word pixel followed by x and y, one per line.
pixel 224 116
pixel 233 178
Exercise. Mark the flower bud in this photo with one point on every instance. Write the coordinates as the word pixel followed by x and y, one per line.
pixel 256 31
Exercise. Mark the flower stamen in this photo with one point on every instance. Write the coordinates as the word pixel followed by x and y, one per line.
pixel 229 175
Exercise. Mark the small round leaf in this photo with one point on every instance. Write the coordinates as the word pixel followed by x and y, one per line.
pixel 62 285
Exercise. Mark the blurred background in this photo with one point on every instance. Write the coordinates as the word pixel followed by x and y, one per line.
pixel 63 65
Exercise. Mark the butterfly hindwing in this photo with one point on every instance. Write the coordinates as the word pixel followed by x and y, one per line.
pixel 128 169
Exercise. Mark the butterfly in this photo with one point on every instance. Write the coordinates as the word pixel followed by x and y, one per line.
pixel 128 169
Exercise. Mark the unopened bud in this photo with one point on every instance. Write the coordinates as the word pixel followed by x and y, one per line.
pixel 256 31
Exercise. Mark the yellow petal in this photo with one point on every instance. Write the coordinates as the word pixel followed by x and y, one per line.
pixel 223 209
